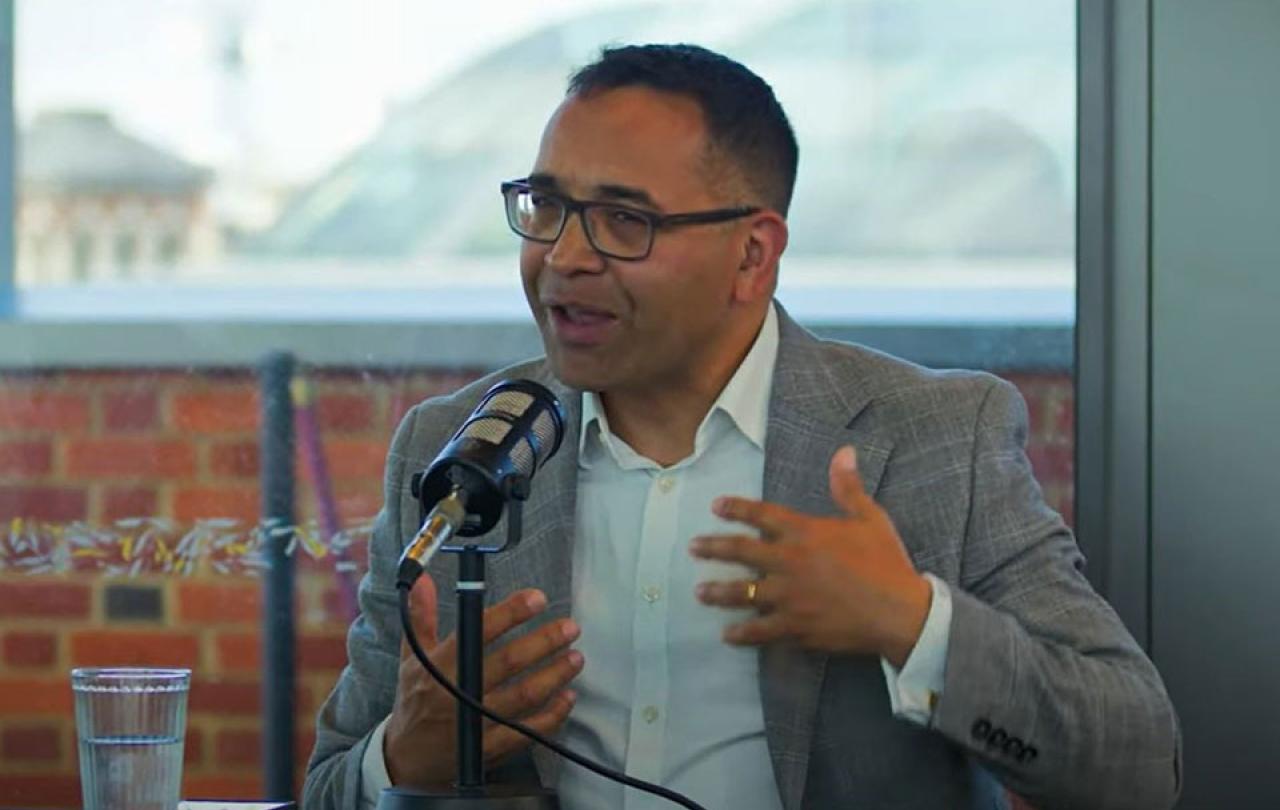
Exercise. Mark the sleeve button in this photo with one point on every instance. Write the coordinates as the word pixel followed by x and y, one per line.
pixel 981 730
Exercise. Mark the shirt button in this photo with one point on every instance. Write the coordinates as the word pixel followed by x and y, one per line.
pixel 652 594
pixel 650 714
pixel 665 484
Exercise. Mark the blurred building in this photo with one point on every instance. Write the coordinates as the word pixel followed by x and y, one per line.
pixel 97 204
pixel 912 146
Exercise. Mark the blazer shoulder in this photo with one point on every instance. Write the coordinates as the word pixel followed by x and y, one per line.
pixel 910 406
pixel 887 379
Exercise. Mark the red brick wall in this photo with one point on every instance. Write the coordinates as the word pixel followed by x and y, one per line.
pixel 90 449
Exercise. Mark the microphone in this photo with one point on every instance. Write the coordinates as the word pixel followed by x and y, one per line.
pixel 491 459
pixel 489 462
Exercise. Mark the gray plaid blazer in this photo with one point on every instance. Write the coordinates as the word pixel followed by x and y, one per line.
pixel 1045 690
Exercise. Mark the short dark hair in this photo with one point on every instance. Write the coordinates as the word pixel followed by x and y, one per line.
pixel 744 120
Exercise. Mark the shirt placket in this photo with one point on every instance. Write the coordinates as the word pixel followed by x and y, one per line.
pixel 648 727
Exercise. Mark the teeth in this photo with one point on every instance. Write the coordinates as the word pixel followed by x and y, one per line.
pixel 579 315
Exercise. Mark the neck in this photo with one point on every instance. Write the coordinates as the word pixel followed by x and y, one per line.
pixel 660 420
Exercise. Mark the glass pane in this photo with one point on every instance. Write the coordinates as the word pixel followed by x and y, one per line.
pixel 204 166
pixel 930 176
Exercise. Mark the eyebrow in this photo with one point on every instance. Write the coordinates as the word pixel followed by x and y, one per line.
pixel 544 181
pixel 616 192
pixel 607 191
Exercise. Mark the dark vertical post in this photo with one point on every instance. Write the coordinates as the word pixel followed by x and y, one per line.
pixel 275 377
pixel 1113 305
pixel 470 666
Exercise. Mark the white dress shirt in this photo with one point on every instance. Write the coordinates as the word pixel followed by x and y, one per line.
pixel 661 696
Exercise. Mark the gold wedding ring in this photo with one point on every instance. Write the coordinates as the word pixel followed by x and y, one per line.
pixel 752 587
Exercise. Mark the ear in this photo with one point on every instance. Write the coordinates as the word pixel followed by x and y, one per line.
pixel 762 248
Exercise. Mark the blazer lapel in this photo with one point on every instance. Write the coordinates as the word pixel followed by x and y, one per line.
pixel 811 414
pixel 544 557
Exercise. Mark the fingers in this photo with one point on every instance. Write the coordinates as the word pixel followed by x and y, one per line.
pixel 500 741
pixel 738 593
pixel 763 630
pixel 513 611
pixel 422 614
pixel 522 696
pixel 771 519
pixel 423 715
pixel 846 484
pixel 738 548
pixel 525 653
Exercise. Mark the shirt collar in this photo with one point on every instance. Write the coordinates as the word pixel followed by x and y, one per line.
pixel 745 399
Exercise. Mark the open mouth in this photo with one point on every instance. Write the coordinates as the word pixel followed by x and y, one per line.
pixel 581 325
pixel 582 316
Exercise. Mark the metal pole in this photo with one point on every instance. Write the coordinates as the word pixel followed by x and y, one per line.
pixel 470 666
pixel 275 376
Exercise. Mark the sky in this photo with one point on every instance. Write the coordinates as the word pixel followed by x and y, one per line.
pixel 315 78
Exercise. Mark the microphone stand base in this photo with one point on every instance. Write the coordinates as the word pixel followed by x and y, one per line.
pixel 487 797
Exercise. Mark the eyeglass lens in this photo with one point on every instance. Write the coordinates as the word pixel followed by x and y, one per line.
pixel 611 229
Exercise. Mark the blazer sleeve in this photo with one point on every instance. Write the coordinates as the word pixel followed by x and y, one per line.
pixel 1043 683
pixel 366 688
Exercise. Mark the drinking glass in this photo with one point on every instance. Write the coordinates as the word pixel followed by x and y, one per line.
pixel 130 724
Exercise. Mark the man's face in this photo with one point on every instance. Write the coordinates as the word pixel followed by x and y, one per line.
pixel 613 325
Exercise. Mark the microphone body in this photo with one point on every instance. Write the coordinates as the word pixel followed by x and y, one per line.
pixel 491 459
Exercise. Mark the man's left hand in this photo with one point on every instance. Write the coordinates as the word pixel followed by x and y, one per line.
pixel 841 584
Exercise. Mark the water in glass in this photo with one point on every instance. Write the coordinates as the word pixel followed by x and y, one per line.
pixel 138 772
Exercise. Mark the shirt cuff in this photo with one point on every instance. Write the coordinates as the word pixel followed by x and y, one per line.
pixel 914 690
pixel 373 768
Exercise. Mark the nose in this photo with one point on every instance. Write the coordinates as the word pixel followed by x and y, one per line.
pixel 572 252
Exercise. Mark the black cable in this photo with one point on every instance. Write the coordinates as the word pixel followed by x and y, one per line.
pixel 458 694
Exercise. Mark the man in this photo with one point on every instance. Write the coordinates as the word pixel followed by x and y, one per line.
pixel 764 570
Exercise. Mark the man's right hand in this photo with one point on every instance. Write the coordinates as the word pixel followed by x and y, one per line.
pixel 524 680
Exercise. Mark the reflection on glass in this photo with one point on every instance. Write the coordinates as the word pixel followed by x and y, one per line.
pixel 930 137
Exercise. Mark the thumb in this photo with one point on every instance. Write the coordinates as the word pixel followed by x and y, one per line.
pixel 846 484
pixel 423 614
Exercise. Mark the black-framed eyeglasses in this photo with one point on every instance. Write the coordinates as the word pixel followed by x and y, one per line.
pixel 618 231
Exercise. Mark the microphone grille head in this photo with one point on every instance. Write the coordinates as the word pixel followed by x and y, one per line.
pixel 496 416
pixel 511 402
pixel 522 456
pixel 487 429
pixel 503 408
pixel 545 432
pixel 515 429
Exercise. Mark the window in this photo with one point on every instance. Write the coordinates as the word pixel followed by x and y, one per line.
pixel 200 181
pixel 937 185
